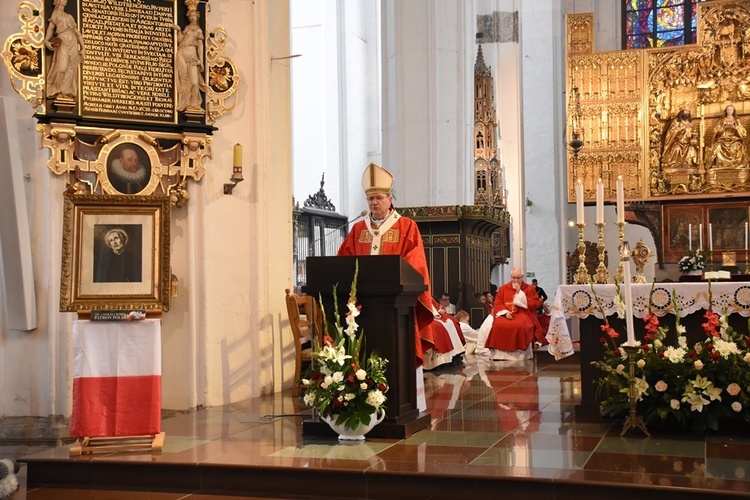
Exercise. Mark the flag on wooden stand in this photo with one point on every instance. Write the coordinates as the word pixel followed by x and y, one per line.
pixel 116 378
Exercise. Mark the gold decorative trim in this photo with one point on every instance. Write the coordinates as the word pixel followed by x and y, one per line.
pixel 23 54
pixel 85 154
pixel 223 77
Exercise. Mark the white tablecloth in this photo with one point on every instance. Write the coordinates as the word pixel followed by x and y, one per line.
pixel 580 301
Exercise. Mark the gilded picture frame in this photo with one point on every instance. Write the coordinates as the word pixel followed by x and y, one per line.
pixel 115 253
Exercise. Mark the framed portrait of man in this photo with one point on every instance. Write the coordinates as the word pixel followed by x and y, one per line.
pixel 128 168
pixel 115 253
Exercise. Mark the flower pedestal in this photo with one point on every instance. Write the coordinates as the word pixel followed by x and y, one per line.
pixel 358 434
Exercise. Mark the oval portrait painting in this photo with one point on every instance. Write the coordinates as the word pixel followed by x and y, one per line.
pixel 128 168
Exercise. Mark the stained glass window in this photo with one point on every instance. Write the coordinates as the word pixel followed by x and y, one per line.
pixel 659 23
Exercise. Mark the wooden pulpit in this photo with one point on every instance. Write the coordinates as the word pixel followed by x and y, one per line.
pixel 387 290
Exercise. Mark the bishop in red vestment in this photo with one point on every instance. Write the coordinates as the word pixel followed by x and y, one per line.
pixel 515 324
pixel 386 232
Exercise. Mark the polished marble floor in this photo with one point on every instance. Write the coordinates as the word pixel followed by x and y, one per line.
pixel 496 426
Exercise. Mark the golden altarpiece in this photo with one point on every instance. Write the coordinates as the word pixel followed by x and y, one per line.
pixel 673 123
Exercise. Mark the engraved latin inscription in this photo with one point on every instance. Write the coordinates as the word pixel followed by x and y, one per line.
pixel 128 72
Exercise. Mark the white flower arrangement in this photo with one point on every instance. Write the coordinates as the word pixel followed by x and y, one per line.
pixel 694 261
pixel 342 383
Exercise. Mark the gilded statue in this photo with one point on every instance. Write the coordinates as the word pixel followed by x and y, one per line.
pixel 189 64
pixel 65 41
pixel 680 143
pixel 728 149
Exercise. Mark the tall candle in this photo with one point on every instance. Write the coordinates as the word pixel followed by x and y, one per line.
pixel 690 237
pixel 628 297
pixel 745 236
pixel 620 200
pixel 710 239
pixel 579 201
pixel 237 156
pixel 599 202
pixel 700 237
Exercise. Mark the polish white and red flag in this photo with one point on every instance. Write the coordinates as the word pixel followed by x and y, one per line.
pixel 116 378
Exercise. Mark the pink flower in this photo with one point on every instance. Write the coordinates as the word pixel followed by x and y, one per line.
pixel 733 389
pixel 652 323
pixel 661 386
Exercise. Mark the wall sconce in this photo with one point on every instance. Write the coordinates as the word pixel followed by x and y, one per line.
pixel 574 120
pixel 236 170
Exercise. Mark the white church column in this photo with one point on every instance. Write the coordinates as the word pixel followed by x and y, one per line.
pixel 542 66
pixel 428 91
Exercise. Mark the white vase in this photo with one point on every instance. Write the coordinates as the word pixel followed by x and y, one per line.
pixel 358 434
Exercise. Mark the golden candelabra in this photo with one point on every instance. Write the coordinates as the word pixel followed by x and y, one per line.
pixel 621 239
pixel 602 275
pixel 632 420
pixel 582 275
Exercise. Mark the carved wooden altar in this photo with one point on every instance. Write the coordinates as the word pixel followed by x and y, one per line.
pixel 656 116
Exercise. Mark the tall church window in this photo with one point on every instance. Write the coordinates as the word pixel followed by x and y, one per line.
pixel 659 23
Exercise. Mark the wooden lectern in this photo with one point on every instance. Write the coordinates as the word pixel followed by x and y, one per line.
pixel 387 289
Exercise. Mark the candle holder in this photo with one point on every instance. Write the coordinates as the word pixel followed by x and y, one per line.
pixel 632 421
pixel 747 264
pixel 602 275
pixel 620 239
pixel 582 275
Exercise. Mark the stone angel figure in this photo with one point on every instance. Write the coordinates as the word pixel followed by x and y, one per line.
pixel 189 64
pixel 63 38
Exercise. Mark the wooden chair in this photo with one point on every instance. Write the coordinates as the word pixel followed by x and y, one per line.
pixel 306 324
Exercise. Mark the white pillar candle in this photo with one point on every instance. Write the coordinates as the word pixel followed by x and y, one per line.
pixel 599 202
pixel 579 201
pixel 628 300
pixel 700 237
pixel 710 239
pixel 690 237
pixel 745 235
pixel 620 200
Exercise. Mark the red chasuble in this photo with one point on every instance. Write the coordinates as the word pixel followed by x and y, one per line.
pixel 397 236
pixel 517 333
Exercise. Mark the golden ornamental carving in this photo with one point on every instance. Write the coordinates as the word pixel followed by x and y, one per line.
pixel 97 101
pixel 223 77
pixel 101 161
pixel 24 56
pixel 683 111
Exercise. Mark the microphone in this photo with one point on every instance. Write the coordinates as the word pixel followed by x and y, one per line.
pixel 324 235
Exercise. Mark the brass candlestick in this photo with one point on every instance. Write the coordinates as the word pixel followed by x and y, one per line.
pixel 621 239
pixel 582 275
pixel 747 264
pixel 632 420
pixel 602 275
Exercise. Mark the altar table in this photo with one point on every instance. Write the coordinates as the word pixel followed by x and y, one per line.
pixel 580 301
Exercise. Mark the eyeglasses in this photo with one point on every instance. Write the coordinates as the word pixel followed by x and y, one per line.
pixel 516 277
